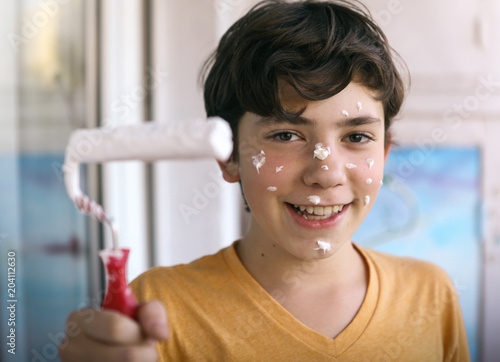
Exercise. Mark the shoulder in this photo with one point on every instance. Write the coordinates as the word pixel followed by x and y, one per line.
pixel 407 272
pixel 385 262
pixel 183 278
pixel 416 298
pixel 412 287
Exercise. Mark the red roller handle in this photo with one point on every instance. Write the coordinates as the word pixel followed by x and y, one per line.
pixel 119 296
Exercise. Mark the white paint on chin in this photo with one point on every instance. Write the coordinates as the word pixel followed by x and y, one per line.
pixel 323 245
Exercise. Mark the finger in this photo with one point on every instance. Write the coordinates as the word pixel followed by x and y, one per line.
pixel 106 326
pixel 152 317
pixel 82 348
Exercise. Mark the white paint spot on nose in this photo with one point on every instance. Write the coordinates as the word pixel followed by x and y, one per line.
pixel 325 167
pixel 350 166
pixel 321 152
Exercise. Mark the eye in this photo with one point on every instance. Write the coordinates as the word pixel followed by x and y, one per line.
pixel 359 138
pixel 285 136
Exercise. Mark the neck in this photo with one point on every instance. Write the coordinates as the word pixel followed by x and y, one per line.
pixel 274 268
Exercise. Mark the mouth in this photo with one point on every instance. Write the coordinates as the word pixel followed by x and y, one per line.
pixel 316 213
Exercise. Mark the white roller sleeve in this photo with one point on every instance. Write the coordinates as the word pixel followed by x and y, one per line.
pixel 150 141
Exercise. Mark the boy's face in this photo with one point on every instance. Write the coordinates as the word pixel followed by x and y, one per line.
pixel 283 170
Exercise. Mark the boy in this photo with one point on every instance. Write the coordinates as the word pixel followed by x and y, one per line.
pixel 310 89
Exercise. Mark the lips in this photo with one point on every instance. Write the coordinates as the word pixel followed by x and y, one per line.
pixel 317 212
pixel 310 216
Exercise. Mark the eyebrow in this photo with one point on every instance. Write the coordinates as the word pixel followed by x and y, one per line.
pixel 358 121
pixel 299 120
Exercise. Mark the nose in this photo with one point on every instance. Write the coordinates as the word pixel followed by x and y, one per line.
pixel 327 173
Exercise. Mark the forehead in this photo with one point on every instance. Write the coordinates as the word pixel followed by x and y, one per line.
pixel 354 101
pixel 290 98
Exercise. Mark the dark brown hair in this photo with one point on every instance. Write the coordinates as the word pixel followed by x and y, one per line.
pixel 318 47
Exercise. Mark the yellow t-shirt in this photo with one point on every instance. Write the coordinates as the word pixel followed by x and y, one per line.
pixel 218 312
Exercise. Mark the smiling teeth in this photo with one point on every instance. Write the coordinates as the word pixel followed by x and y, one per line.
pixel 317 212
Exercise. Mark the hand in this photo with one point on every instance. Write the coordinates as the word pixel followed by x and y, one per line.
pixel 103 335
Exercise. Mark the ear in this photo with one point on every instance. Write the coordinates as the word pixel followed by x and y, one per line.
pixel 387 149
pixel 230 171
pixel 388 145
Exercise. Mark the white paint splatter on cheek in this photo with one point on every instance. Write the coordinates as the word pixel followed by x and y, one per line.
pixel 321 152
pixel 259 160
pixel 369 181
pixel 367 200
pixel 381 183
pixel 272 188
pixel 325 167
pixel 370 163
pixel 279 169
pixel 323 245
pixel 314 199
pixel 350 166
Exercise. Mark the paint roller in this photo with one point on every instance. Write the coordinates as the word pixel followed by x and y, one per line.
pixel 151 141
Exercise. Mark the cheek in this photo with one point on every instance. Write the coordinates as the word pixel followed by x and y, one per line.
pixel 368 176
pixel 269 176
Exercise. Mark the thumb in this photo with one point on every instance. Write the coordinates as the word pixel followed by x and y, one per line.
pixel 152 317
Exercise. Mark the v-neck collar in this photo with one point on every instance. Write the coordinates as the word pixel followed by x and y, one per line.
pixel 286 321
